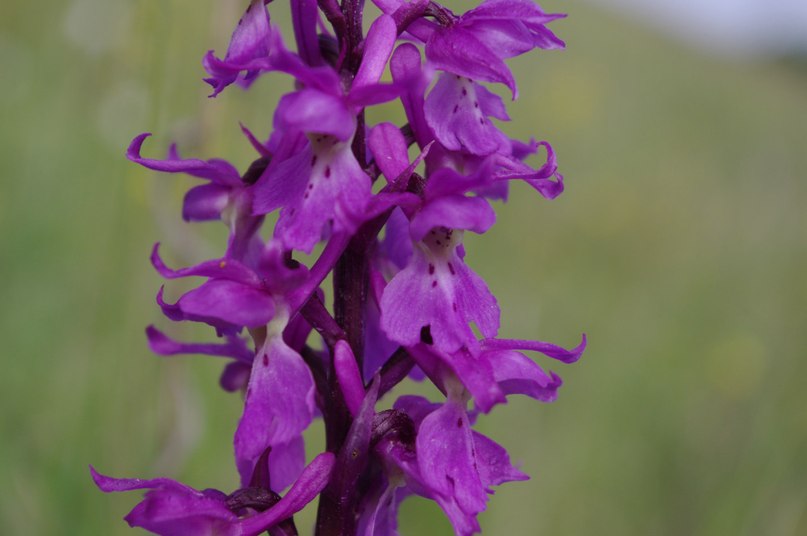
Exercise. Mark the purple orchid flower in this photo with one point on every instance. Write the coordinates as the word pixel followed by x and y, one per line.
pixel 249 52
pixel 405 301
pixel 225 197
pixel 174 509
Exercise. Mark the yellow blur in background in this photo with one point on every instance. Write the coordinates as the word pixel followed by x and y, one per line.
pixel 679 247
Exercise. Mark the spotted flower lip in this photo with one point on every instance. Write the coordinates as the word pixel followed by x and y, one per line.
pixel 382 208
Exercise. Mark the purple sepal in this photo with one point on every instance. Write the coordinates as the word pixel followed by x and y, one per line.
pixel 218 171
pixel 222 304
pixel 515 373
pixel 226 269
pixel 161 344
pixel 235 376
pixel 551 350
pixel 172 508
pixel 205 202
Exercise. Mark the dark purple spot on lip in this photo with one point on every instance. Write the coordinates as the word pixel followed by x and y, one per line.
pixel 305 196
pixel 451 269
pixel 434 283
pixel 481 120
pixel 459 422
pixel 313 160
pixel 310 185
pixel 431 268
pixel 476 104
pixel 327 172
pixel 265 360
pixel 464 91
pixel 454 306
pixel 456 107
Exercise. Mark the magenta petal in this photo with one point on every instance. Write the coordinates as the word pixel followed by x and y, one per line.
pixel 417 407
pixel 446 458
pixel 389 150
pixel 110 484
pixel 229 269
pixel 172 508
pixel 443 294
pixel 311 481
pixel 477 375
pixel 456 109
pixel 215 170
pixel 336 193
pixel 283 182
pixel 405 65
pixel 286 461
pixel 377 49
pixel 493 463
pixel 314 111
pixel 410 302
pixel 518 374
pixel 220 301
pixel 205 202
pixel 551 350
pixel 278 406
pixel 455 212
pixel 525 10
pixel 235 376
pixel 250 47
pixel 161 344
pixel 250 38
pixel 396 246
pixel 474 59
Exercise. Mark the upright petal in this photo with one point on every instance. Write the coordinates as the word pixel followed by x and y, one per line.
pixel 377 49
pixel 461 52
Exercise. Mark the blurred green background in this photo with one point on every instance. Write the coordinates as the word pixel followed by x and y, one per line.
pixel 679 247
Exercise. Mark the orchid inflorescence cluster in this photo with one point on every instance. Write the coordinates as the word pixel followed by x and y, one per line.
pixel 404 300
